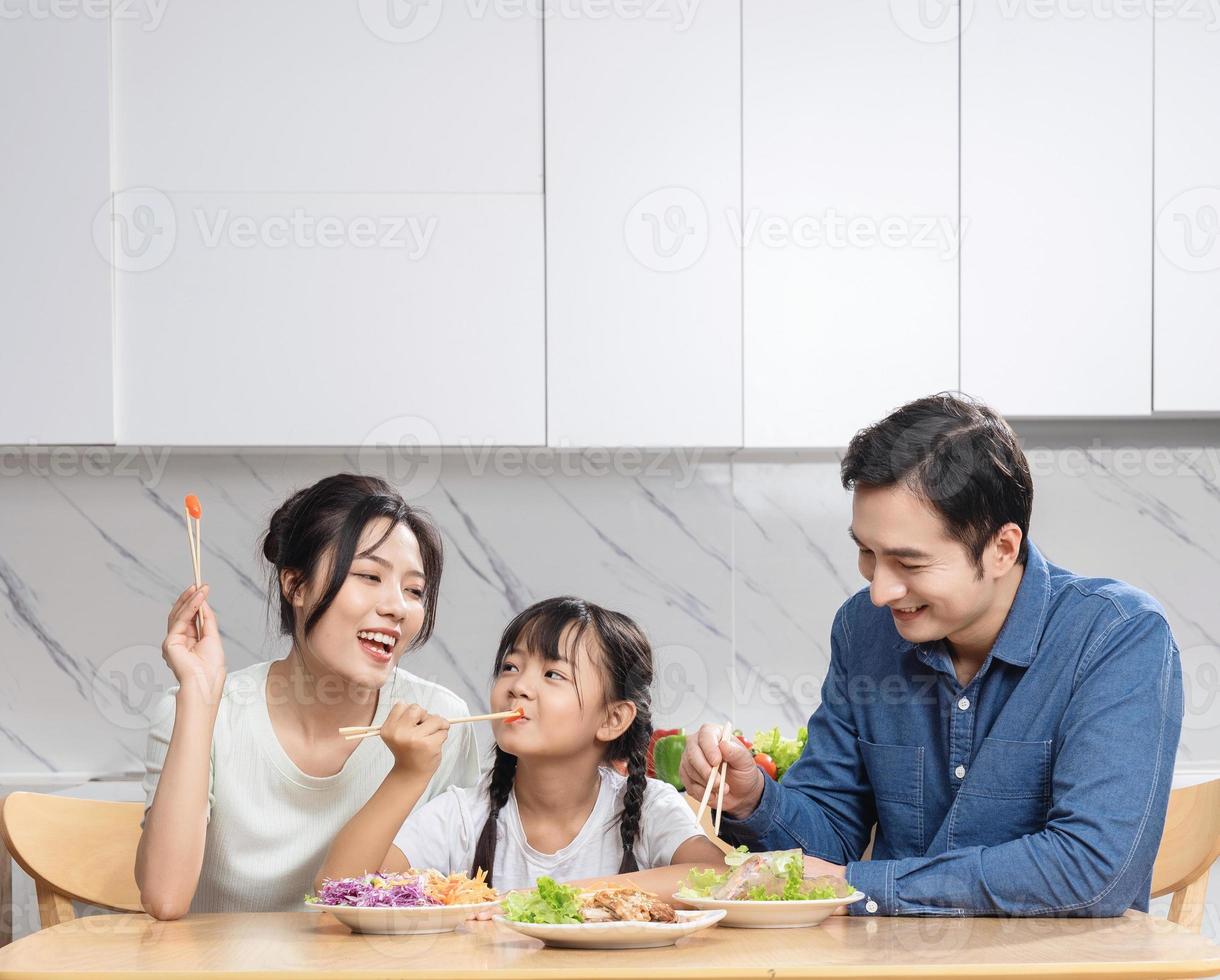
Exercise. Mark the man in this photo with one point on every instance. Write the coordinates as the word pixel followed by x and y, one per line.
pixel 1008 726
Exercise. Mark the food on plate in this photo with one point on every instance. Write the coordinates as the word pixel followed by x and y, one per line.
pixel 769 876
pixel 409 889
pixel 626 905
pixel 558 904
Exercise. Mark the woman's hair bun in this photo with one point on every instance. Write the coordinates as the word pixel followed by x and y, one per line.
pixel 280 527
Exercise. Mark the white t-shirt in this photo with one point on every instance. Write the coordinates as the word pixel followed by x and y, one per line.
pixel 270 824
pixel 442 834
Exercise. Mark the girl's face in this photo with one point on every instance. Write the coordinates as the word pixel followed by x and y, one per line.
pixel 376 613
pixel 566 711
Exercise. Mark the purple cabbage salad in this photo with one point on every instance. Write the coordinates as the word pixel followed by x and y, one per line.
pixel 375 891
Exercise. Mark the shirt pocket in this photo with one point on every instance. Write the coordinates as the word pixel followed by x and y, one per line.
pixel 895 773
pixel 1006 793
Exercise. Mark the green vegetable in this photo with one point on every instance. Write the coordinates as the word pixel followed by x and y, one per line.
pixel 793 891
pixel 550 902
pixel 667 756
pixel 701 883
pixel 783 751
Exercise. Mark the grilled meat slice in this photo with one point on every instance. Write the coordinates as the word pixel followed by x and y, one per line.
pixel 632 905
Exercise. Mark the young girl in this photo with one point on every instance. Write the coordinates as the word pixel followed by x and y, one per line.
pixel 552 804
pixel 247 777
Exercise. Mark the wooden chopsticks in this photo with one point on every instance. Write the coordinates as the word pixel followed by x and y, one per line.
pixel 351 732
pixel 194 517
pixel 725 734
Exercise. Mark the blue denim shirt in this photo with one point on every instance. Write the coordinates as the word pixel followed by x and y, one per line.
pixel 1039 788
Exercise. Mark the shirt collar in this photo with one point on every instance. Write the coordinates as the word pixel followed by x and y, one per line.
pixel 1017 642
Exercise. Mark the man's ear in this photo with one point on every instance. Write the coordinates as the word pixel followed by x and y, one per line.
pixel 619 716
pixel 289 580
pixel 1005 547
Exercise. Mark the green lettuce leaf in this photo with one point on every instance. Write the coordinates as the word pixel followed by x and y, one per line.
pixel 701 882
pixel 550 902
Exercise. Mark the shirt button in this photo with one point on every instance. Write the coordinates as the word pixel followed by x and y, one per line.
pixel 964 703
pixel 960 772
pixel 870 906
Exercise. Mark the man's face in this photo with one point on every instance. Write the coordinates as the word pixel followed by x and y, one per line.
pixel 926 578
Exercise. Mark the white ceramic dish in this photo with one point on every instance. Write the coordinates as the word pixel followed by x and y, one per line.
pixel 773 915
pixel 403 921
pixel 616 935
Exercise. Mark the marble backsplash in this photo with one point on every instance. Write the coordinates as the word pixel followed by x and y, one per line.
pixel 734 564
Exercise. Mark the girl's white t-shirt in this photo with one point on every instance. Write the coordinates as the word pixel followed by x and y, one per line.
pixel 442 834
pixel 269 823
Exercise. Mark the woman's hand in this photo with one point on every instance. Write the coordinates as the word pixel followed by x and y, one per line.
pixel 744 780
pixel 198 662
pixel 415 738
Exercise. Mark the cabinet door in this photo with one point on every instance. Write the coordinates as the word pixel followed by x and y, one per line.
pixel 1056 199
pixel 348 205
pixel 1186 286
pixel 643 153
pixel 850 216
pixel 55 228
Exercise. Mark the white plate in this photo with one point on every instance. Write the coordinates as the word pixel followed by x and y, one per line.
pixel 403 921
pixel 616 935
pixel 773 915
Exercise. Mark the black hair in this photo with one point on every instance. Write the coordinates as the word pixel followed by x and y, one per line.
pixel 333 513
pixel 958 455
pixel 624 656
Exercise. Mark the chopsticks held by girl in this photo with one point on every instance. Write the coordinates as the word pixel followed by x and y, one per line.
pixel 553 803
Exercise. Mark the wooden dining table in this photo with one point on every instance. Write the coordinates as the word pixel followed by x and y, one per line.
pixel 315 945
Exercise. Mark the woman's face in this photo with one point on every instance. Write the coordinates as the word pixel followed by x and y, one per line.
pixel 559 722
pixel 377 612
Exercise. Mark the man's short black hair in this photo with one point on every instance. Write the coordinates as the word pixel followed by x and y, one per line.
pixel 958 455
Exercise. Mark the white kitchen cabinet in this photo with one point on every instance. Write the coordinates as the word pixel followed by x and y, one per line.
pixel 1056 207
pixel 850 217
pixel 55 229
pixel 349 242
pixel 364 96
pixel 1186 285
pixel 432 334
pixel 643 154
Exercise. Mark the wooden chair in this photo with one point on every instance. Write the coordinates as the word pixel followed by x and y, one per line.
pixel 1190 846
pixel 73 849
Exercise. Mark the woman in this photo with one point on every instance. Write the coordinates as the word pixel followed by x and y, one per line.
pixel 247 777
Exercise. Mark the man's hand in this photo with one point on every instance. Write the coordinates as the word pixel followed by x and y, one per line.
pixel 744 780
pixel 815 866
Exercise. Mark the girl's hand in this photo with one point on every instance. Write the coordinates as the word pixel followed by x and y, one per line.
pixel 701 759
pixel 198 662
pixel 415 738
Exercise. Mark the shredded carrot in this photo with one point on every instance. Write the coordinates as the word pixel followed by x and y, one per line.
pixel 458 889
